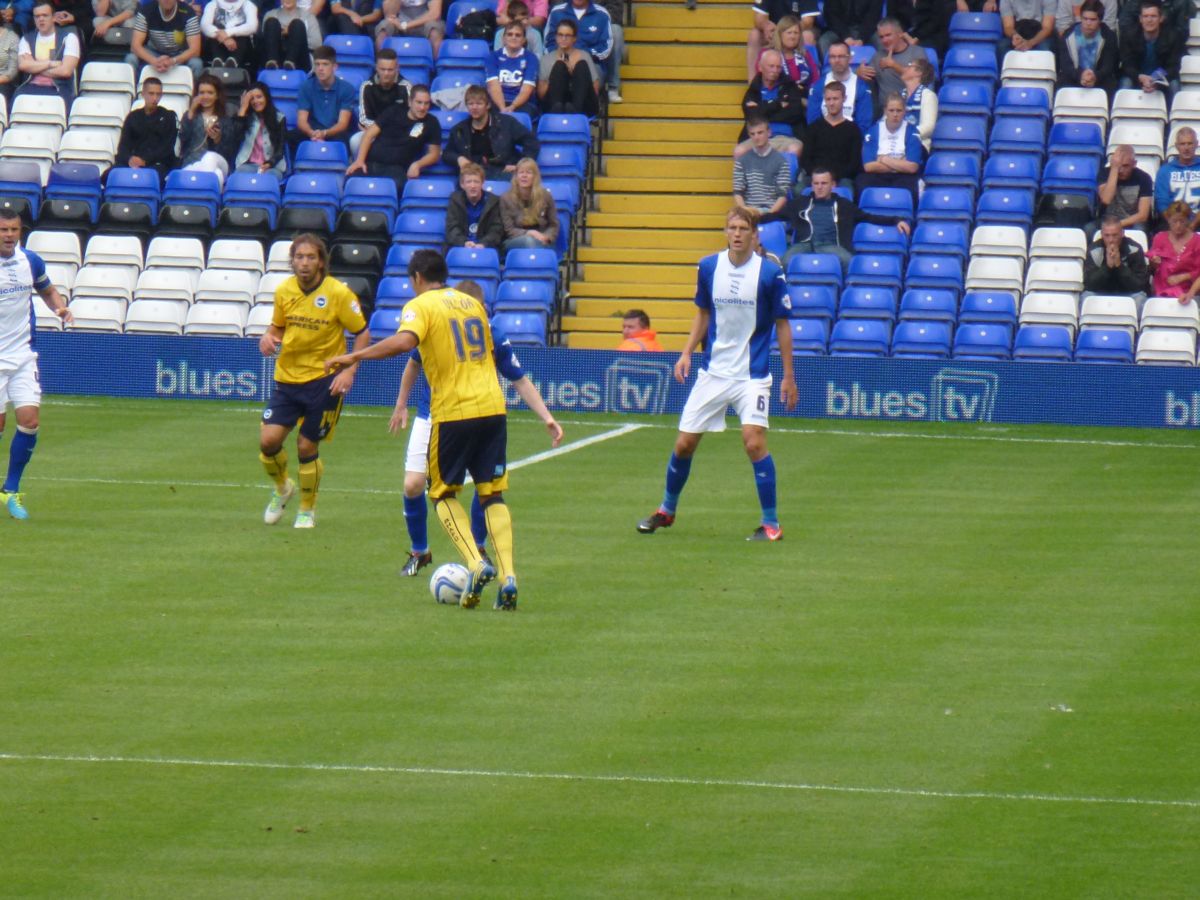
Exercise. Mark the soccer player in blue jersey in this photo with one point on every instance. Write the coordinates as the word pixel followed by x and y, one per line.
pixel 21 274
pixel 740 295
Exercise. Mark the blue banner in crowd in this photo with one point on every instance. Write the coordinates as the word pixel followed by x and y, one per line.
pixel 603 381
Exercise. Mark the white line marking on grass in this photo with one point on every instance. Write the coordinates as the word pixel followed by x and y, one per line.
pixel 518 464
pixel 601 779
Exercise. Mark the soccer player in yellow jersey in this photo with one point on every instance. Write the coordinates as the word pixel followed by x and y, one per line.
pixel 467 408
pixel 312 314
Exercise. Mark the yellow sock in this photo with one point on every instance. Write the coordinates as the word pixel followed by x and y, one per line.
pixel 457 525
pixel 276 467
pixel 499 523
pixel 310 480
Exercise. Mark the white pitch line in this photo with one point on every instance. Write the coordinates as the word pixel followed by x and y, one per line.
pixel 602 779
pixel 518 464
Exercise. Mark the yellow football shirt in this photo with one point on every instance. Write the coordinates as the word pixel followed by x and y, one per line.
pixel 314 326
pixel 456 351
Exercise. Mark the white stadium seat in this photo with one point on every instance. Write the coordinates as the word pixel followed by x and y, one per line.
pixel 38 109
pixel 105 281
pixel 1082 105
pixel 1166 346
pixel 1137 104
pixel 222 319
pixel 156 317
pixel 998 240
pixel 178 253
pixel 56 247
pixel 1168 312
pixel 177 285
pixel 227 286
pixel 259 320
pixel 1046 308
pixel 279 258
pixel 107 78
pixel 62 276
pixel 92 145
pixel 1062 275
pixel 1145 137
pixel 113 250
pixel 228 254
pixel 267 285
pixel 1102 311
pixel 98 314
pixel 995 273
pixel 176 80
pixel 1058 243
pixel 43 318
pixel 100 111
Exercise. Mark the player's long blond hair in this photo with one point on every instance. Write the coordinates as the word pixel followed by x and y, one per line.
pixel 534 203
pixel 322 251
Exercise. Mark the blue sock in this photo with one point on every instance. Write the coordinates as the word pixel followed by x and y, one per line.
pixel 20 451
pixel 478 522
pixel 764 480
pixel 677 476
pixel 415 518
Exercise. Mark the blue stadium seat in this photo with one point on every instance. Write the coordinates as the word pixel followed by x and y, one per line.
pixel 1075 174
pixel 314 190
pixel 478 263
pixel 519 295
pixel 1012 170
pixel 355 75
pixel 813 301
pixel 939 239
pixel 384 323
pixel 352 50
pixel 428 192
pixel 928 305
pixel 870 238
pixel 861 55
pixel 773 237
pixel 810 337
pixel 921 340
pixel 1111 346
pixel 497 186
pixel 321 156
pixel 988 307
pixel 1046 343
pixel 284 83
pixel 488 288
pixel 565 128
pixel 458 54
pixel 952 168
pixel 412 52
pixel 1005 206
pixel 523 117
pixel 959 134
pixel 250 189
pixel 415 74
pixel 22 181
pixel 75 181
pixel 287 107
pixel 947 204
pixel 815 269
pixel 535 264
pixel 565 191
pixel 966 97
pixel 362 192
pixel 934 272
pixel 193 189
pixel 886 201
pixel 982 342
pixel 394 291
pixel 523 328
pixel 129 186
pixel 563 160
pixel 971 60
pixel 461 8
pixel 867 269
pixel 448 118
pixel 422 226
pixel 868 303
pixel 456 80
pixel 398 256
pixel 1018 134
pixel 860 337
pixel 1077 139
pixel 1023 101
pixel 981 27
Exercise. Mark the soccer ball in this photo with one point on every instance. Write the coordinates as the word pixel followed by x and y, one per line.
pixel 448 583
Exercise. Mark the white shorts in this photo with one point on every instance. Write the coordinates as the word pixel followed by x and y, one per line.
pixel 417 459
pixel 20 384
pixel 711 395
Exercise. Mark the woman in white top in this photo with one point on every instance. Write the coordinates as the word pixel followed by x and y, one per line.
pixel 227 27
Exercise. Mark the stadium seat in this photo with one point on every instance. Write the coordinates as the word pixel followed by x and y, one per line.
pixel 1033 68
pixel 284 83
pixel 359 260
pixel 929 305
pixel 1076 139
pixel 934 272
pixel 411 51
pixel 37 109
pixel 947 204
pixel 19 179
pixel 258 320
pixel 384 322
pixel 478 263
pixel 1005 206
pixel 883 201
pixel 267 284
pixel 810 337
pixel 461 8
pixel 420 227
pixel 1071 175
pixel 227 286
pixel 525 328
pixel 185 253
pixel 966 97
pixel 99 78
pixel 868 303
pixel 1064 210
pixel 983 27
pixel 1167 312
pixel 56 247
pixel 105 281
pixel 1054 275
pixel 565 128
pixel 187 187
pixel 321 156
pixel 996 273
pixel 1050 308
pixel 1104 345
pixel 364 226
pixel 456 80
pixel 314 190
pixel 989 308
pixel 1026 102
pixel 1138 104
pixel 815 269
pixel 111 250
pixel 62 277
pixel 998 240
pixel 1058 243
pixel 175 285
pixel 1081 105
pixel 227 254
pixel 1109 312
pixel 393 292
pixel 562 159
pixel 1166 346
pixel 813 301
pixel 879 239
pixel 921 340
pixel 279 257
pixel 245 223
pixel 517 295
pixel 463 54
pixel 939 239
pixel 352 49
pixel 772 237
pixel 43 319
pixel 100 111
pixel 252 189
pixel 1018 135
pixel 875 270
pixel 950 168
pixel 397 259
pixel 31 142
pixel 216 319
pixel 535 264
pixel 982 341
pixel 132 185
pixel 956 134
pixel 1044 343
pixel 93 313
pixel 155 317
pixel 1012 170
pixel 971 60
pixel 430 192
pixel 860 337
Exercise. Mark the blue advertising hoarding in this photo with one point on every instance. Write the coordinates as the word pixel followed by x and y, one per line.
pixel 642 383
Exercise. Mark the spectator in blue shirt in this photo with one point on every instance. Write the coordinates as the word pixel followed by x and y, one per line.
pixel 325 103
pixel 512 74
pixel 892 152
pixel 594 29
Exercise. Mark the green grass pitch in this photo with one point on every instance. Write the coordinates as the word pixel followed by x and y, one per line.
pixel 969 670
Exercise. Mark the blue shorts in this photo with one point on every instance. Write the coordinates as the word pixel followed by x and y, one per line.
pixel 311 404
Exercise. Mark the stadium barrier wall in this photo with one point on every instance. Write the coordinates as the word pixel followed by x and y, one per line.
pixel 604 381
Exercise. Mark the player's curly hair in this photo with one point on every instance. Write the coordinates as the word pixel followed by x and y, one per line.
pixel 312 240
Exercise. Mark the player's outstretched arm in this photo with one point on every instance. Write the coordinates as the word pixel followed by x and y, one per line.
pixel 533 399
pixel 787 388
pixel 398 343
pixel 56 303
pixel 345 378
pixel 683 365
pixel 399 419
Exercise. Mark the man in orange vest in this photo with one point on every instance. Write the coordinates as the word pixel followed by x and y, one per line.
pixel 637 332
